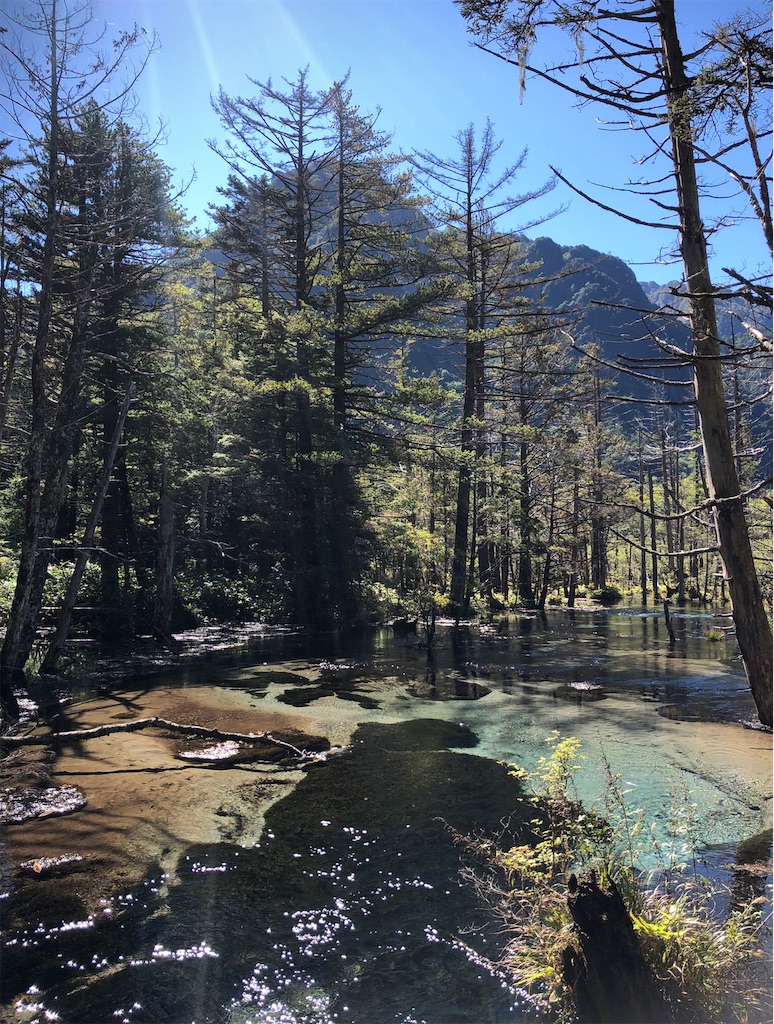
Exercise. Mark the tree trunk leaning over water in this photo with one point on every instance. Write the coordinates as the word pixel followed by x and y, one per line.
pixel 751 619
pixel 651 73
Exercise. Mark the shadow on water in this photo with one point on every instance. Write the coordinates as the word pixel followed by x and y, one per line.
pixel 348 910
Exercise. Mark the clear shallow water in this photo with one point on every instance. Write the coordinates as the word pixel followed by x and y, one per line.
pixel 349 909
pixel 345 914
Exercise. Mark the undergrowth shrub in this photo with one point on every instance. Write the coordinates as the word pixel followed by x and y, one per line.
pixel 708 961
pixel 608 595
pixel 58 580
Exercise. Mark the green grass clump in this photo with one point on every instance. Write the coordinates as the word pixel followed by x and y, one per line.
pixel 708 965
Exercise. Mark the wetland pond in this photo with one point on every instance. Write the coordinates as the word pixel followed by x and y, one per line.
pixel 200 883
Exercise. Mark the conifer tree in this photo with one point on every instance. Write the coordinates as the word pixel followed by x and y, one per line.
pixel 629 58
pixel 469 200
pixel 284 136
pixel 65 100
pixel 356 276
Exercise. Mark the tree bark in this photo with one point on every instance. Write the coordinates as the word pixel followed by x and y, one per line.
pixel 47 463
pixel 12 657
pixel 599 566
pixel 10 363
pixel 459 594
pixel 65 615
pixel 643 554
pixel 165 563
pixel 459 603
pixel 526 594
pixel 751 618
pixel 653 537
pixel 548 564
pixel 607 974
pixel 112 623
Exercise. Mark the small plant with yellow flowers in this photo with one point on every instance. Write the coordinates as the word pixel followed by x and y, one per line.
pixel 707 964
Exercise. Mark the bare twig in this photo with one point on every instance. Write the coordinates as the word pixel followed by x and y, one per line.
pixel 76 735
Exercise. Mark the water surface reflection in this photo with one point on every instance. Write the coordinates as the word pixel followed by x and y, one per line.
pixel 346 906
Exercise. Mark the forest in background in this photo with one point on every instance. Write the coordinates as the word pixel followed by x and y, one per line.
pixel 361 397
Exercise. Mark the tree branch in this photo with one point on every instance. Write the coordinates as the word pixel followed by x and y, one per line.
pixel 611 209
pixel 77 735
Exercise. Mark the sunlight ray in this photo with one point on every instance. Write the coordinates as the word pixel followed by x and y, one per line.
pixel 298 43
pixel 205 49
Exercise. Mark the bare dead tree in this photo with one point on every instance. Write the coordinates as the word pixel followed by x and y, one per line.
pixel 628 58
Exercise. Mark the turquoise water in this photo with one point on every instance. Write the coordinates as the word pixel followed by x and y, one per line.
pixel 350 907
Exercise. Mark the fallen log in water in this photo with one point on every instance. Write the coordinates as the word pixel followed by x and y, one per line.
pixel 76 735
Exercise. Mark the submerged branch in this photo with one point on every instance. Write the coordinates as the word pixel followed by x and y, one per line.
pixel 76 735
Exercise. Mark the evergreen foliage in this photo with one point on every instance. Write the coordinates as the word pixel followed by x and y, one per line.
pixel 360 398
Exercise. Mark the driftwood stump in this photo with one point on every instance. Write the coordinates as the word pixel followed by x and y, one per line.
pixel 606 973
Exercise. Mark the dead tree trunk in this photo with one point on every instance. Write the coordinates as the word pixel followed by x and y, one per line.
pixel 605 970
pixel 96 732
pixel 751 620
pixel 653 536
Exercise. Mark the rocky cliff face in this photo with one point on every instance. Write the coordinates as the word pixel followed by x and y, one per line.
pixel 605 305
pixel 733 314
pixel 596 300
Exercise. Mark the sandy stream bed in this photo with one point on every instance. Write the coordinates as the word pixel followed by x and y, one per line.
pixel 144 804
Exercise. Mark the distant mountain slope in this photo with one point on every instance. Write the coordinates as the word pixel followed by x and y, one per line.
pixel 605 305
pixel 594 299
pixel 733 314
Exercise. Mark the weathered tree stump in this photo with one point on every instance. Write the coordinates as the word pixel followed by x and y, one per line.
pixel 606 972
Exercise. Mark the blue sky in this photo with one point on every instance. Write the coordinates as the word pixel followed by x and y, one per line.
pixel 414 60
